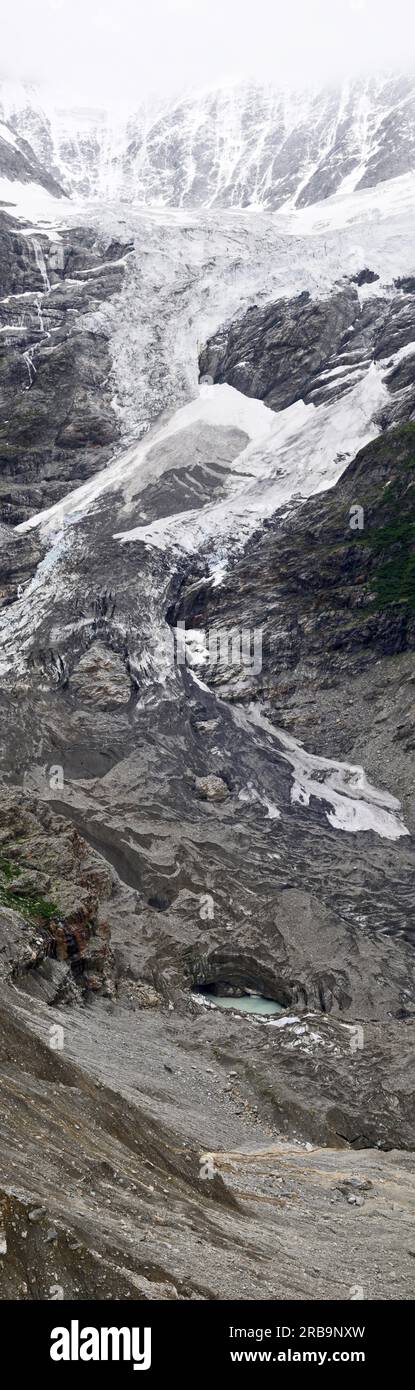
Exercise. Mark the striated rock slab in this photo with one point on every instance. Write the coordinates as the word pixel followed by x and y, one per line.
pixel 55 370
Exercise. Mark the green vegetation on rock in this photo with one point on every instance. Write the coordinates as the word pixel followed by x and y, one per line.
pixel 31 906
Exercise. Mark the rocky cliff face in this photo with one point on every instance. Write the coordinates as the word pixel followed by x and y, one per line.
pixel 19 164
pixel 316 350
pixel 206 714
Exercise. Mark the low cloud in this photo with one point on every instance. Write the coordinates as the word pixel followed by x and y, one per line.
pixel 107 53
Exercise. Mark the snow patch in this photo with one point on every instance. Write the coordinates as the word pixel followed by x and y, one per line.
pixel 27 199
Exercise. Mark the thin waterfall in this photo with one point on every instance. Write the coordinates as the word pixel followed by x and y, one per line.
pixel 41 263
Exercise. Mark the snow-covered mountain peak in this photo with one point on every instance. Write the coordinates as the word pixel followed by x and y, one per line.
pixel 240 145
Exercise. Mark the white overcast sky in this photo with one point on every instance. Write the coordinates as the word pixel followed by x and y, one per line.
pixel 107 51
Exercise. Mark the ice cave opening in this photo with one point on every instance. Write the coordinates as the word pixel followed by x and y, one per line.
pixel 250 1002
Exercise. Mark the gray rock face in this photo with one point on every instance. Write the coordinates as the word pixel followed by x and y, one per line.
pixel 309 349
pixel 19 557
pixel 57 395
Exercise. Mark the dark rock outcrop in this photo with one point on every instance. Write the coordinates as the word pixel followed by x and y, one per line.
pixel 18 163
pixel 59 422
pixel 310 349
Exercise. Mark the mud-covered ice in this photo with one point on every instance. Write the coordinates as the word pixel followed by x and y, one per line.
pixel 354 803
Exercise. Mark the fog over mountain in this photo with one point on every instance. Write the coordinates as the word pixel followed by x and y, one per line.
pixel 102 54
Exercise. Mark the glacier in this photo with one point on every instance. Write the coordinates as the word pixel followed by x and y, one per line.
pixel 207 826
